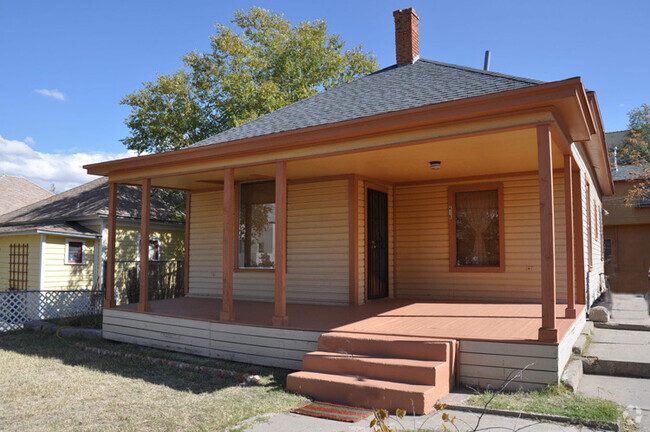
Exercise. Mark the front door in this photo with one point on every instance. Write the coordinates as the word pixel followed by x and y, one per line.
pixel 377 244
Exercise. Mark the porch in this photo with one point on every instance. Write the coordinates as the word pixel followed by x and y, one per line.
pixel 486 342
pixel 491 321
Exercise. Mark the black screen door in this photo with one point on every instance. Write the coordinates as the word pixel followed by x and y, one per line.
pixel 377 247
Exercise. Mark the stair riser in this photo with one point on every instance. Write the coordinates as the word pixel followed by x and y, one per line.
pixel 397 349
pixel 387 372
pixel 364 396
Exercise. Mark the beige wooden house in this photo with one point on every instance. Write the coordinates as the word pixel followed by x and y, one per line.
pixel 428 218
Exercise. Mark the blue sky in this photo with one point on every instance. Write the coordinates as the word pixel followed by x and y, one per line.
pixel 66 64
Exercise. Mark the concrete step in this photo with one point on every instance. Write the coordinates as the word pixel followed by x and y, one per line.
pixel 410 371
pixel 387 346
pixel 365 392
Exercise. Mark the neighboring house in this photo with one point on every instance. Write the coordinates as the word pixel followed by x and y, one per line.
pixel 59 243
pixel 428 212
pixel 17 192
pixel 627 229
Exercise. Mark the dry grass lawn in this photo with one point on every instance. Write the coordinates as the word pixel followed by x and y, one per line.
pixel 49 385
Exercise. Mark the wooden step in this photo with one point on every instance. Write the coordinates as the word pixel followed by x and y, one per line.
pixel 365 392
pixel 427 372
pixel 387 346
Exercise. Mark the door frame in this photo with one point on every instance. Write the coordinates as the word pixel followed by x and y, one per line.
pixel 385 189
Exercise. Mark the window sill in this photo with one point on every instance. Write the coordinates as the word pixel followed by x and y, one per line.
pixel 74 263
pixel 477 269
pixel 254 270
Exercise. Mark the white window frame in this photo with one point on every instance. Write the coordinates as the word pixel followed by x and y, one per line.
pixel 67 251
pixel 157 239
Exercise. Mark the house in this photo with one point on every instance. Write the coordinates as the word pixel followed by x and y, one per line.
pixel 432 224
pixel 16 192
pixel 59 243
pixel 627 229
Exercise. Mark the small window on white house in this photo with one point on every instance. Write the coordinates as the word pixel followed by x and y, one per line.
pixel 74 251
pixel 608 250
pixel 154 249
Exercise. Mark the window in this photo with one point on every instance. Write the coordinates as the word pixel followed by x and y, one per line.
pixel 18 255
pixel 476 228
pixel 154 249
pixel 74 251
pixel 257 225
pixel 644 200
pixel 608 250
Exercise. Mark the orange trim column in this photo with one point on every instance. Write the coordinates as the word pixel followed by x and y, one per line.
pixel 143 304
pixel 109 300
pixel 570 311
pixel 227 310
pixel 580 288
pixel 548 331
pixel 280 319
pixel 186 270
pixel 353 196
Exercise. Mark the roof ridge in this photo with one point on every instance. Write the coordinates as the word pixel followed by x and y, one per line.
pixel 484 72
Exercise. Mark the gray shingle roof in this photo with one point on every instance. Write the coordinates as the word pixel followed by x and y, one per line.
pixel 17 192
pixel 627 172
pixel 422 83
pixel 88 200
pixel 615 139
pixel 69 228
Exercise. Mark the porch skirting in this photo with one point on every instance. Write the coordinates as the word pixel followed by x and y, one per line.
pixel 265 346
pixel 481 363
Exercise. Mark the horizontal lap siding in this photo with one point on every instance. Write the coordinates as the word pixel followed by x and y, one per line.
pixel 317 243
pixel 422 245
pixel 317 247
pixel 249 344
pixel 62 276
pixel 491 364
pixel 33 259
pixel 206 244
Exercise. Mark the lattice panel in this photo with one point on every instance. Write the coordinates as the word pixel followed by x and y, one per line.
pixel 18 307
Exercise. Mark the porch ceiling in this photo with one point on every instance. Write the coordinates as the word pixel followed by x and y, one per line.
pixel 492 154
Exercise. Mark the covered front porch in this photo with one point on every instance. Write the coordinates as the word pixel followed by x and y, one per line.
pixel 492 321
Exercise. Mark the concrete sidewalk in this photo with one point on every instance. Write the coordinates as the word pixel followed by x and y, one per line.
pixel 627 311
pixel 288 422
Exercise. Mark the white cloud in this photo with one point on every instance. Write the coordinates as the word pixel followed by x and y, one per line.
pixel 54 93
pixel 18 158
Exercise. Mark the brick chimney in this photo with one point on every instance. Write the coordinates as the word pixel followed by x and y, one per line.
pixel 407 36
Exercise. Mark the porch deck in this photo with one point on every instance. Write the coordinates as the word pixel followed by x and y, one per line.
pixel 493 322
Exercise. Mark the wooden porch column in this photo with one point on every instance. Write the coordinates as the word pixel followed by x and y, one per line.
pixel 548 331
pixel 143 304
pixel 227 311
pixel 570 311
pixel 109 300
pixel 186 265
pixel 280 319
pixel 580 288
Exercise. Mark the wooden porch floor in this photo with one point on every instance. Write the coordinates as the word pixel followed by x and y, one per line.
pixel 504 322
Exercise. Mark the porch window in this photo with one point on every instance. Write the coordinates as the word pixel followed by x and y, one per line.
pixel 74 251
pixel 476 228
pixel 257 225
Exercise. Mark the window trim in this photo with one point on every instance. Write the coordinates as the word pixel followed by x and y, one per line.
pixel 236 267
pixel 67 251
pixel 159 248
pixel 451 206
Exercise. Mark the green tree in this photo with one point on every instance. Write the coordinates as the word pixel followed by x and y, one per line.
pixel 636 151
pixel 263 64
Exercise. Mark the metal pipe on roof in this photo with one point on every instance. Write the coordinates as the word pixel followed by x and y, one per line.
pixel 486 62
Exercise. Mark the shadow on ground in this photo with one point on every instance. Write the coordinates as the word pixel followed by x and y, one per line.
pixel 31 343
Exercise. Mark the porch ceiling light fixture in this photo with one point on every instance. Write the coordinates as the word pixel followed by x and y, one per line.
pixel 434 165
